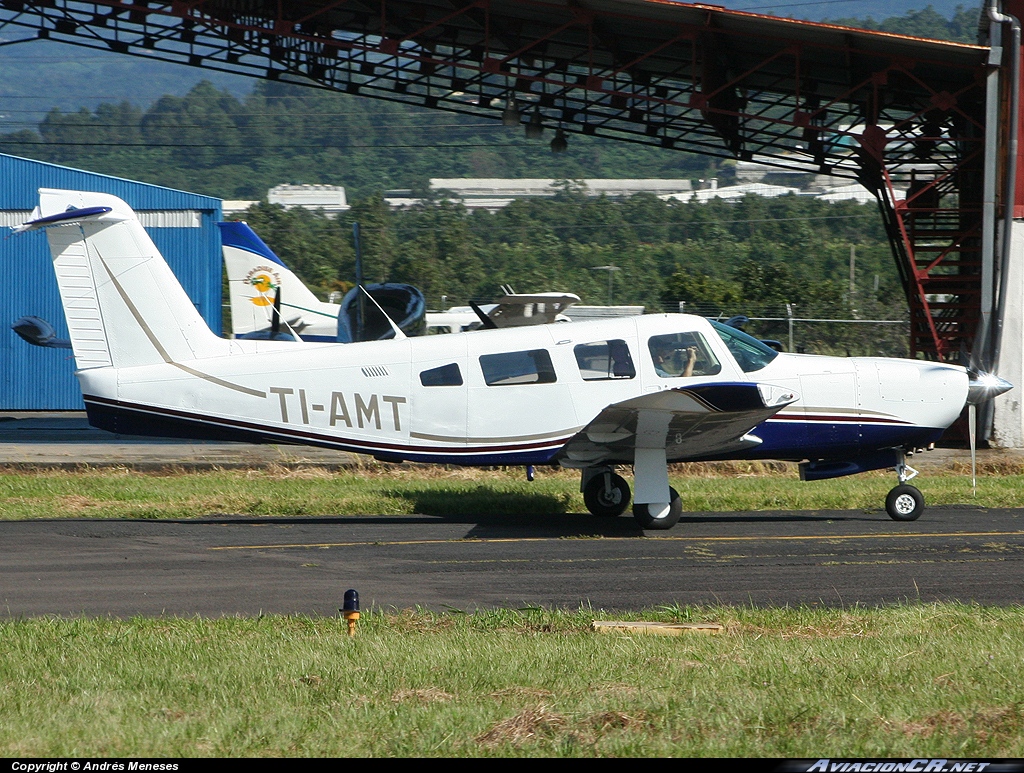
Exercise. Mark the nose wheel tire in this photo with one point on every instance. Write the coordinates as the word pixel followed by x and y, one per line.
pixel 609 500
pixel 904 503
pixel 659 515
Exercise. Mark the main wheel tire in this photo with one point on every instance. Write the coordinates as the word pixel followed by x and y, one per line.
pixel 658 516
pixel 607 502
pixel 904 503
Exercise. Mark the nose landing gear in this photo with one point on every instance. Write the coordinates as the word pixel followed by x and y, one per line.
pixel 904 502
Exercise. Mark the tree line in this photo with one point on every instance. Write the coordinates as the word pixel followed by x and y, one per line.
pixel 751 257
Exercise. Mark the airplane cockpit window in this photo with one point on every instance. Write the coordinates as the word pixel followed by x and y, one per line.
pixel 507 368
pixel 682 354
pixel 446 375
pixel 604 360
pixel 750 353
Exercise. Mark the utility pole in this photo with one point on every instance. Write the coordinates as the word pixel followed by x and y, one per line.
pixel 853 262
pixel 609 269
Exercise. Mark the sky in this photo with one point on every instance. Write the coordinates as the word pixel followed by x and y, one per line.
pixel 816 10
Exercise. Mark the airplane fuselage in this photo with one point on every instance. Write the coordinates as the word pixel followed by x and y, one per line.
pixel 515 396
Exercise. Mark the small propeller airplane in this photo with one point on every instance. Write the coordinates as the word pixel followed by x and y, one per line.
pixel 593 396
pixel 257 278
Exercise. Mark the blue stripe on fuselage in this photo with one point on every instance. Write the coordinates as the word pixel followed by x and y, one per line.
pixel 785 440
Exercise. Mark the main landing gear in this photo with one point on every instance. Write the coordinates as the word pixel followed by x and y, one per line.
pixel 607 494
pixel 904 502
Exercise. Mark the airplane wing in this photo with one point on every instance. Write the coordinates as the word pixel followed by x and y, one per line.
pixel 688 423
pixel 518 309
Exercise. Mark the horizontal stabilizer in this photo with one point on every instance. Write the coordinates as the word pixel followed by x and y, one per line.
pixel 39 332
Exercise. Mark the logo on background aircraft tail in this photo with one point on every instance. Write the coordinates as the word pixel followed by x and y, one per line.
pixel 256 275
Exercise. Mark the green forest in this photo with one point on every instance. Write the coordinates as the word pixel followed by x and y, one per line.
pixel 750 257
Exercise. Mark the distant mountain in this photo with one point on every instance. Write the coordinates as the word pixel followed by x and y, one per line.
pixel 817 10
pixel 40 75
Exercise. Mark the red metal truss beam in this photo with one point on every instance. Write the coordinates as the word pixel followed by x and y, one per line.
pixel 874 107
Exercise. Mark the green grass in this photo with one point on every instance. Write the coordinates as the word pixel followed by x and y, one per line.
pixel 388 490
pixel 904 681
pixel 912 681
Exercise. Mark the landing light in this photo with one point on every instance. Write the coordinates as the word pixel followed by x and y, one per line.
pixel 350 610
pixel 534 129
pixel 511 116
pixel 559 144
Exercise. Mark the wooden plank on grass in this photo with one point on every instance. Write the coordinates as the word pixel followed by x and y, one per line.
pixel 659 629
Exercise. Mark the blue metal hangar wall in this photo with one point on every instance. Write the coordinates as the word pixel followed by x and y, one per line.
pixel 182 225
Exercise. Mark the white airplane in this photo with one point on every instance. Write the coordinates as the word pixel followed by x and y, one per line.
pixel 641 391
pixel 255 274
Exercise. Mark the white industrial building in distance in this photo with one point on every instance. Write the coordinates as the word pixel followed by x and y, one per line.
pixel 330 199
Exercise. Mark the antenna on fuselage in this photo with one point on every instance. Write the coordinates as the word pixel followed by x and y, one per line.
pixel 399 335
pixel 487 322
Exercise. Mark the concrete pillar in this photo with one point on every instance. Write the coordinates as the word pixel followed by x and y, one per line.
pixel 1008 409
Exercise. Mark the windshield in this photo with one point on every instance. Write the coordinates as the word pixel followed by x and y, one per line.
pixel 750 353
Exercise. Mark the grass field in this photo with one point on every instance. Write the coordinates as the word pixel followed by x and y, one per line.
pixel 912 681
pixel 402 490
pixel 905 681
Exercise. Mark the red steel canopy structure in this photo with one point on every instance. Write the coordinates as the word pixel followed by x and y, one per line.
pixel 889 111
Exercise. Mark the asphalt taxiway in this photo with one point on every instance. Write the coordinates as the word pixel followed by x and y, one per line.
pixel 239 565
pixel 226 566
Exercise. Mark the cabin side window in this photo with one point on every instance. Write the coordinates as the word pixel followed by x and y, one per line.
pixel 750 353
pixel 604 360
pixel 682 355
pixel 508 368
pixel 446 375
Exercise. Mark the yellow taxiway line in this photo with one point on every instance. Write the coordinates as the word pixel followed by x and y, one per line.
pixel 812 537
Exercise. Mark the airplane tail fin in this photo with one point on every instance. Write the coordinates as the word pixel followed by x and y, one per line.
pixel 124 306
pixel 255 274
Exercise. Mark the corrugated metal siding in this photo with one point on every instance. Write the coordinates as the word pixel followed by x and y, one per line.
pixel 32 378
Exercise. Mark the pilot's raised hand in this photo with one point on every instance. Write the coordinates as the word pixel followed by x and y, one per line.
pixel 691 360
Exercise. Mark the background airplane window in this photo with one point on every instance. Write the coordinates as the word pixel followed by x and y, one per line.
pixel 603 360
pixel 750 353
pixel 531 367
pixel 682 354
pixel 446 375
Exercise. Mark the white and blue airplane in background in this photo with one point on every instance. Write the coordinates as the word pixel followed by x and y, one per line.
pixel 594 396
pixel 257 277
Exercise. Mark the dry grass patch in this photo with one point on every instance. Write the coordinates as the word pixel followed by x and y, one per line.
pixel 943 722
pixel 77 503
pixel 993 723
pixel 618 720
pixel 422 695
pixel 528 725
pixel 518 693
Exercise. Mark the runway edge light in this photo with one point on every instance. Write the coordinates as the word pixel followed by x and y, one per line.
pixel 350 610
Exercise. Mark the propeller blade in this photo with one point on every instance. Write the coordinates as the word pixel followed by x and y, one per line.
pixel 275 316
pixel 972 432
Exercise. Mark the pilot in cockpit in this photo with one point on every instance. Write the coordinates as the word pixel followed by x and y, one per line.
pixel 670 359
